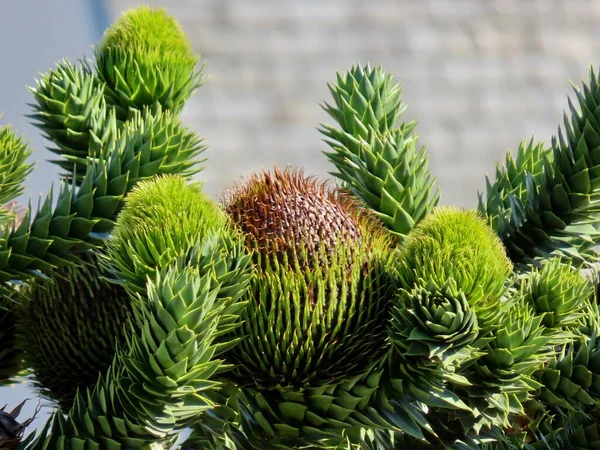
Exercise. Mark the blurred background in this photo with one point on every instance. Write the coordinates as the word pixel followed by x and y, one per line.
pixel 479 76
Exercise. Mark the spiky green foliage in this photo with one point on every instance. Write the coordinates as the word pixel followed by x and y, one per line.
pixel 71 111
pixel 457 245
pixel 70 327
pixel 153 232
pixel 156 143
pixel 410 388
pixel 571 380
pixel 560 293
pixel 108 158
pixel 168 363
pixel 11 355
pixel 378 160
pixel 558 412
pixel 564 412
pixel 577 433
pixel 300 418
pixel 565 392
pixel 501 381
pixel 432 329
pixel 14 152
pixel 190 302
pixel 432 320
pixel 37 243
pixel 248 419
pixel 145 59
pixel 163 221
pixel 81 216
pixel 454 274
pixel 302 319
pixel 514 191
pixel 546 203
pixel 366 96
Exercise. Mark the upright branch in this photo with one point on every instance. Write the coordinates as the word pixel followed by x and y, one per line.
pixel 545 203
pixel 145 59
pixel 377 159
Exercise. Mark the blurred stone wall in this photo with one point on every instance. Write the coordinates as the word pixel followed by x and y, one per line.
pixel 478 75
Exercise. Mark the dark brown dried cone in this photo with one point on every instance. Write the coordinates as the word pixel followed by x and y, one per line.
pixel 11 431
pixel 295 217
pixel 70 328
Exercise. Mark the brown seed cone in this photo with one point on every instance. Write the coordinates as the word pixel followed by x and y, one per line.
pixel 320 297
pixel 11 431
pixel 295 217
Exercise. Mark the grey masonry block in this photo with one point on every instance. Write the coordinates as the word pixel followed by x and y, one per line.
pixel 479 76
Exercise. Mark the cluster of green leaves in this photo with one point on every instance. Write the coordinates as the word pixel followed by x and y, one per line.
pixel 544 203
pixel 114 123
pixel 297 316
pixel 377 159
pixel 160 374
